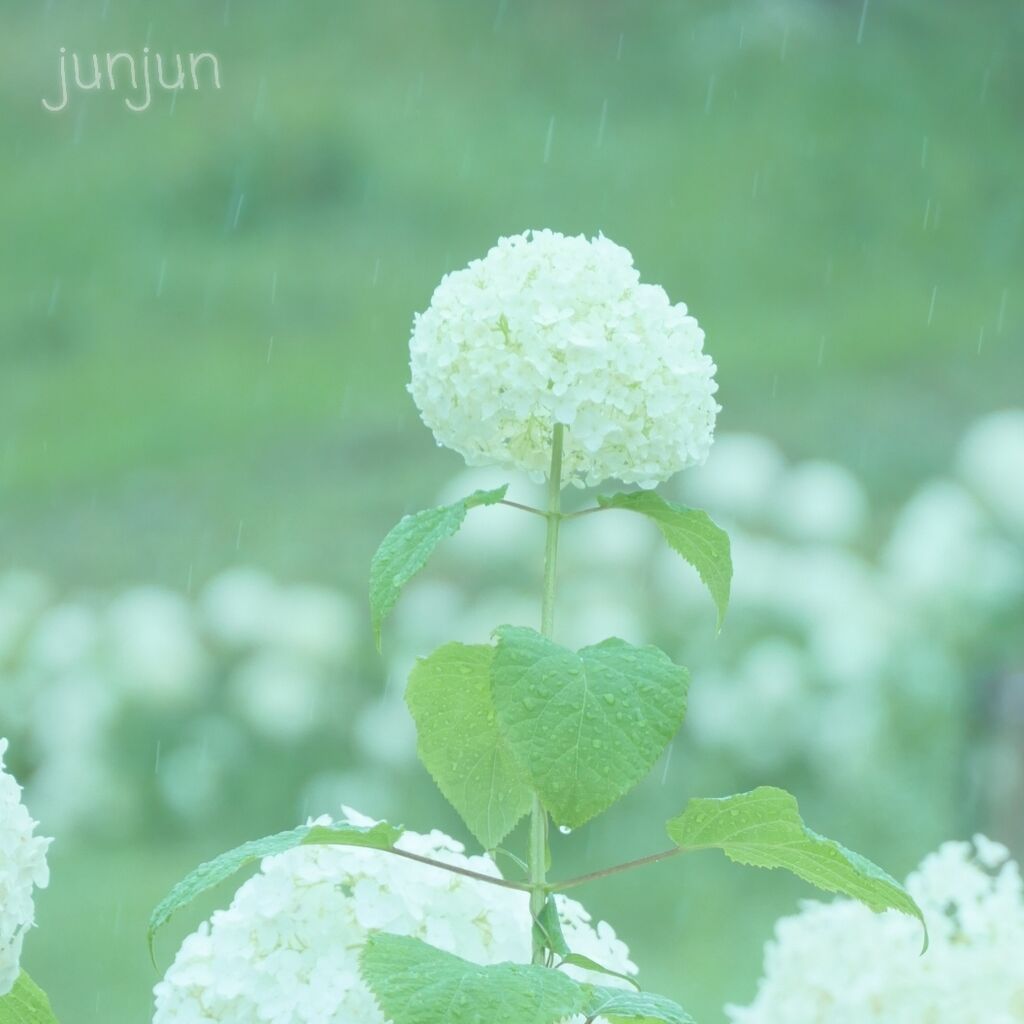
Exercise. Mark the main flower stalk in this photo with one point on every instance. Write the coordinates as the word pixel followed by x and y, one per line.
pixel 538 852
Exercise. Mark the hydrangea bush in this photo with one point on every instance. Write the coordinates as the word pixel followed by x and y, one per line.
pixel 837 964
pixel 288 948
pixel 23 869
pixel 550 357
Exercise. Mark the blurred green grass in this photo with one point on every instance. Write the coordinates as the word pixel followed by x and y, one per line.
pixel 842 209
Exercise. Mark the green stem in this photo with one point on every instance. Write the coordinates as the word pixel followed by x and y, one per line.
pixel 554 515
pixel 478 876
pixel 538 854
pixel 652 858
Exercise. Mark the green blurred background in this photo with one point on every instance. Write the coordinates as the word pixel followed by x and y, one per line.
pixel 205 312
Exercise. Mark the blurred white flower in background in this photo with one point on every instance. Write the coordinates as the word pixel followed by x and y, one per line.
pixel 82 672
pixel 820 501
pixel 945 550
pixel 154 648
pixel 71 715
pixel 287 949
pixel 191 775
pixel 839 963
pixel 314 623
pixel 277 695
pixel 65 637
pixel 740 478
pixel 385 732
pixel 238 606
pixel 548 329
pixel 991 461
pixel 22 870
pixel 23 596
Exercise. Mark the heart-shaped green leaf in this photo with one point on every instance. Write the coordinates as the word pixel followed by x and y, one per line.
pixel 586 726
pixel 449 695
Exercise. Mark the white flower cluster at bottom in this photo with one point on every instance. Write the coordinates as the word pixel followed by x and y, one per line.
pixel 287 950
pixel 22 868
pixel 838 963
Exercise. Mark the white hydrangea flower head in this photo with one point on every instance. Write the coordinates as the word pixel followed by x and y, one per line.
pixel 287 949
pixel 546 330
pixel 839 963
pixel 22 870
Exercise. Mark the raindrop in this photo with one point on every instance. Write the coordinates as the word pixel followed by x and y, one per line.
pixel 550 139
pixel 931 305
pixel 609 698
pixel 1002 311
pixel 160 278
pixel 156 760
pixel 54 297
pixel 981 338
pixel 270 348
pixel 924 151
pixel 565 830
pixel 618 52
pixel 863 21
pixel 927 214
pixel 238 535
pixel 273 288
pixel 239 203
pixel 710 95
pixel 376 271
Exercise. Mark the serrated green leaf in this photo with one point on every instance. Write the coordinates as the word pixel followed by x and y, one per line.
pixel 586 964
pixel 381 836
pixel 616 1004
pixel 585 726
pixel 449 695
pixel 417 984
pixel 764 829
pixel 691 533
pixel 26 1003
pixel 405 550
